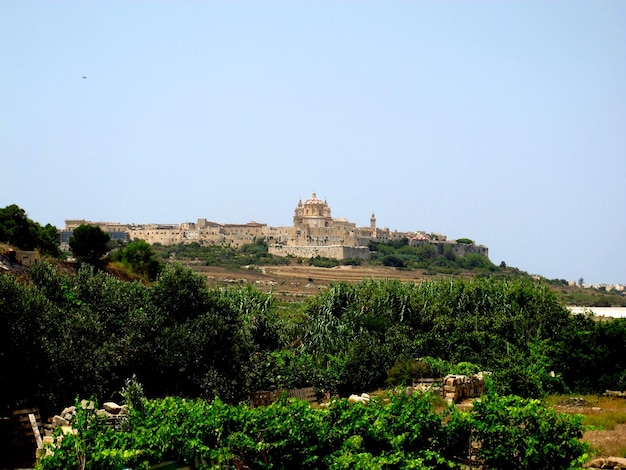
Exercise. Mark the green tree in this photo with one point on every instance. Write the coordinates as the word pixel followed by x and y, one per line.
pixel 140 258
pixel 393 261
pixel 18 230
pixel 520 433
pixel 48 241
pixel 89 243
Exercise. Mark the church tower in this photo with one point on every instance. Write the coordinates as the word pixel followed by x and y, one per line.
pixel 298 214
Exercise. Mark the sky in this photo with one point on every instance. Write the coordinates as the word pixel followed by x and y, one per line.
pixel 499 121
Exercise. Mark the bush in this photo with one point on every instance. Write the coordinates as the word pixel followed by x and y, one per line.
pixel 393 261
pixel 523 434
pixel 398 432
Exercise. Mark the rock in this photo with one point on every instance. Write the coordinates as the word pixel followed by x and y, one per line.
pixel 359 398
pixel 68 430
pixel 112 407
pixel 60 421
pixel 87 405
pixel 596 463
pixel 68 412
pixel 615 462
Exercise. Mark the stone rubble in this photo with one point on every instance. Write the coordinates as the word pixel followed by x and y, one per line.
pixel 110 411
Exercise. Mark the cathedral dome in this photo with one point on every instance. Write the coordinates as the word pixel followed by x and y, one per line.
pixel 314 213
pixel 313 200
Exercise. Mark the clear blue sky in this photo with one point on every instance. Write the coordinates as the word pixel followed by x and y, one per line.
pixel 499 121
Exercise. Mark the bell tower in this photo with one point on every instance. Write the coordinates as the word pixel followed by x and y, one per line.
pixel 298 214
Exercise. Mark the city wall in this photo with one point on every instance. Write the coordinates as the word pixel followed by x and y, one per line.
pixel 334 251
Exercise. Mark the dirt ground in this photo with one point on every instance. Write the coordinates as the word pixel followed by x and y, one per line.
pixel 600 412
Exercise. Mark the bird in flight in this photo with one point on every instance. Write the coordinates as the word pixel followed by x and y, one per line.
pixel 84 77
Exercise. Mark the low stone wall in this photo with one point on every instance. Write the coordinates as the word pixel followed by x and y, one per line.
pixel 456 388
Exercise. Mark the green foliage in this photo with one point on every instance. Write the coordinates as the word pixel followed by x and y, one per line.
pixel 86 333
pixel 404 371
pixel 587 297
pixel 398 432
pixel 284 369
pixel 225 256
pixel 465 241
pixel 139 257
pixel 429 256
pixel 496 325
pixel 180 294
pixel 393 261
pixel 465 368
pixel 18 230
pixel 476 262
pixel 520 433
pixel 256 308
pixel 322 262
pixel 89 243
pixel 21 349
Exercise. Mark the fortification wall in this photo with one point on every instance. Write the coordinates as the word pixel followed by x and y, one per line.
pixel 463 249
pixel 335 251
pixel 459 249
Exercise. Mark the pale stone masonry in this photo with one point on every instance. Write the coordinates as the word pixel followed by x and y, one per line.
pixel 314 233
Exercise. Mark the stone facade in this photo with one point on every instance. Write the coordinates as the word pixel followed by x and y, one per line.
pixel 334 251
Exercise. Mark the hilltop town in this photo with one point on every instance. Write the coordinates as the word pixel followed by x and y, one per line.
pixel 314 233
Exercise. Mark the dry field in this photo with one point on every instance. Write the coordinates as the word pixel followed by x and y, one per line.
pixel 606 419
pixel 296 282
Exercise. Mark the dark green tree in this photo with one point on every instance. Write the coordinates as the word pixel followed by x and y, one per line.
pixel 48 242
pixel 18 230
pixel 393 261
pixel 139 257
pixel 89 243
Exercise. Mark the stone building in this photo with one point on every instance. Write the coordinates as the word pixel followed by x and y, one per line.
pixel 117 231
pixel 314 233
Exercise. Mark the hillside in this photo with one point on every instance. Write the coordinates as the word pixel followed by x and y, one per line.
pixel 296 281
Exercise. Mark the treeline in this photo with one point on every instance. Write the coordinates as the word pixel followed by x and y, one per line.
pixel 64 335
